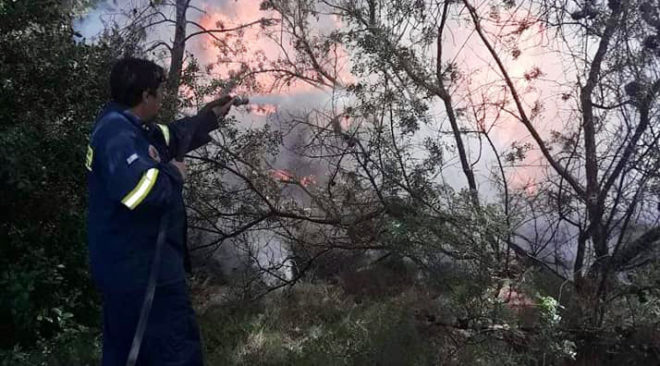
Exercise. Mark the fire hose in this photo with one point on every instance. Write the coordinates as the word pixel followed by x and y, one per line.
pixel 149 295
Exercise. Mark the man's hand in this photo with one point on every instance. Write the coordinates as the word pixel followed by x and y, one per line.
pixel 181 166
pixel 220 107
pixel 153 153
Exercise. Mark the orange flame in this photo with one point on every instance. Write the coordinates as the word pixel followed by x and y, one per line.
pixel 258 49
pixel 307 180
pixel 281 175
pixel 285 176
pixel 515 299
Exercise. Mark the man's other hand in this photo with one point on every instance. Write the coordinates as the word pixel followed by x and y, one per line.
pixel 181 166
pixel 220 106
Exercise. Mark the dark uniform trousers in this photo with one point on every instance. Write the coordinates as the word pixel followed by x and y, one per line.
pixel 171 337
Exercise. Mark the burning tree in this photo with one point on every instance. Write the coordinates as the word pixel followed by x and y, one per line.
pixel 589 146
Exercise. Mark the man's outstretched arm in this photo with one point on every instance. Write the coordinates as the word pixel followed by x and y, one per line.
pixel 190 133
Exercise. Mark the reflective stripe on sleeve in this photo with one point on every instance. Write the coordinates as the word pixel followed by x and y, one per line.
pixel 166 133
pixel 142 189
pixel 89 158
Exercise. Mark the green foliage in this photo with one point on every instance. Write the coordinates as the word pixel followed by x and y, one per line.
pixel 52 88
pixel 318 324
pixel 313 325
pixel 79 346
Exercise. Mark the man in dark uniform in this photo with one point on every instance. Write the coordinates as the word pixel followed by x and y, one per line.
pixel 135 181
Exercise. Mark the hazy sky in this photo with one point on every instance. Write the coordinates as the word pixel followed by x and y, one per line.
pixel 461 44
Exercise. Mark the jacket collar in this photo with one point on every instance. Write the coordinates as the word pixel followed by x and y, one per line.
pixel 124 111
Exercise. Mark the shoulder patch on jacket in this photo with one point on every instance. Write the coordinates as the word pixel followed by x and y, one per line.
pixel 132 158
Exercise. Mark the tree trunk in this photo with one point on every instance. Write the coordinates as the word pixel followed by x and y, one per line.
pixel 446 98
pixel 176 63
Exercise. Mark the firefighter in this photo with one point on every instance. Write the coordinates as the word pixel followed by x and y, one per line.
pixel 135 180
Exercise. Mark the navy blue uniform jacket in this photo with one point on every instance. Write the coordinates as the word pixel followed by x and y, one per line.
pixel 129 191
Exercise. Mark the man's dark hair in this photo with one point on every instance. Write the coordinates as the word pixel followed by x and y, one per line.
pixel 131 76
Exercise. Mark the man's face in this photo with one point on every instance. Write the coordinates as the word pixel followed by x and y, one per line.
pixel 153 102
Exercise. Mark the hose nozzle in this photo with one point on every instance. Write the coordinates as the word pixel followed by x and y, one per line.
pixel 238 101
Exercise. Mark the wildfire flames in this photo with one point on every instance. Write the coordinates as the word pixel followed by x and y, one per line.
pixel 288 177
pixel 515 299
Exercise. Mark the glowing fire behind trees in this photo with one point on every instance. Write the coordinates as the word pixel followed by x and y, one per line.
pixel 406 67
pixel 285 176
pixel 443 96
